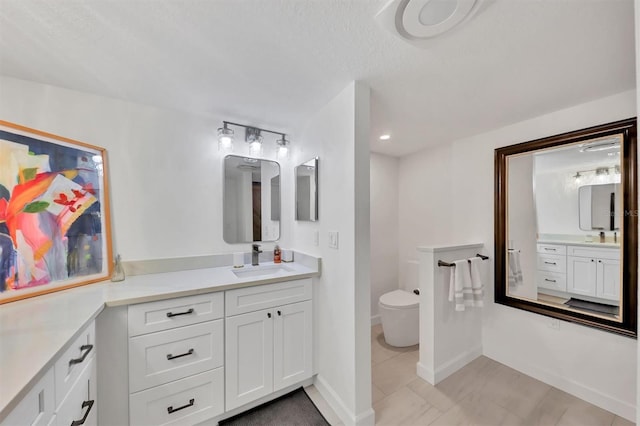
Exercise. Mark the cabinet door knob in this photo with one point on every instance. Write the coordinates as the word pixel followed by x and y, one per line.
pixel 279 313
pixel 268 314
pixel 599 261
pixel 592 260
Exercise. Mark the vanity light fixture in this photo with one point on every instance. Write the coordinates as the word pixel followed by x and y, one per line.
pixel 253 136
pixel 578 176
pixel 283 148
pixel 225 138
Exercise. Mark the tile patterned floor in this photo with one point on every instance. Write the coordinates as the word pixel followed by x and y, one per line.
pixel 484 392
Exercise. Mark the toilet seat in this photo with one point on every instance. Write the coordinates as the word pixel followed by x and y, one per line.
pixel 399 299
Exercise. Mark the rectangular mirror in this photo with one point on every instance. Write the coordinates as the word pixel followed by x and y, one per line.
pixel 600 206
pixel 307 191
pixel 566 226
pixel 251 200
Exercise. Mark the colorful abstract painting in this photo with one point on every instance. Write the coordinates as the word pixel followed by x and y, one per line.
pixel 54 215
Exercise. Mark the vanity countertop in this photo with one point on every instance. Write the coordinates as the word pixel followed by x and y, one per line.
pixel 594 244
pixel 34 331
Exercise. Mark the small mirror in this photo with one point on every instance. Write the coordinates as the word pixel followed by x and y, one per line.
pixel 251 200
pixel 307 191
pixel 599 207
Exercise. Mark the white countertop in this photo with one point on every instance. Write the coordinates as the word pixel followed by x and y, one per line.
pixel 34 331
pixel 594 244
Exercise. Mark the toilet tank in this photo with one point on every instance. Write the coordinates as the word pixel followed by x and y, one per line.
pixel 408 275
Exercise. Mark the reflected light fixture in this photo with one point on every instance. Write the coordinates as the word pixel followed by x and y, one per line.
pixel 385 137
pixel 253 136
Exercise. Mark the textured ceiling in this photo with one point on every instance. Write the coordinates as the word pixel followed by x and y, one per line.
pixel 276 62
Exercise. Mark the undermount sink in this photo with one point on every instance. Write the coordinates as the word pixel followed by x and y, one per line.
pixel 261 271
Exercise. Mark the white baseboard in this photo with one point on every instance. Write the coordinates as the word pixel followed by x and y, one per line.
pixel 375 320
pixel 591 395
pixel 445 370
pixel 448 368
pixel 366 418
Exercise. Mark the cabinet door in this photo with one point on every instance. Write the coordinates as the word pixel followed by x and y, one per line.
pixel 608 285
pixel 37 407
pixel 292 344
pixel 248 357
pixel 81 404
pixel 581 275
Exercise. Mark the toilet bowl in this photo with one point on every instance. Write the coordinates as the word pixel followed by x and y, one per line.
pixel 400 316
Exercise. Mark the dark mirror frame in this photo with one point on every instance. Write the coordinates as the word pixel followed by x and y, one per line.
pixel 628 129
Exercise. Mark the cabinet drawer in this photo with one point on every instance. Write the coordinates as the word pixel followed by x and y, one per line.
pixel 74 360
pixel 552 263
pixel 594 252
pixel 37 407
pixel 552 280
pixel 552 249
pixel 161 357
pixel 186 402
pixel 266 296
pixel 172 313
pixel 81 402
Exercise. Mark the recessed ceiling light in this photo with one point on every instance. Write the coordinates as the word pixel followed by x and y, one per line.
pixel 385 137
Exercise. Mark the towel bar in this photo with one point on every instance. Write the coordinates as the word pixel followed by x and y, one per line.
pixel 442 263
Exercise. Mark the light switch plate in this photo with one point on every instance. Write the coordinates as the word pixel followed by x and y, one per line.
pixel 333 239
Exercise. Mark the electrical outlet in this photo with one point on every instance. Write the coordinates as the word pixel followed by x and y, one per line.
pixel 554 323
pixel 333 239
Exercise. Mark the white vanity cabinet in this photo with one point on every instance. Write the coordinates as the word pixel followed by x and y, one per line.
pixel 67 393
pixel 551 267
pixel 268 339
pixel 176 360
pixel 594 272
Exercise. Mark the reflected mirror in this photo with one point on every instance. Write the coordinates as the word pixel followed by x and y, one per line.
pixel 566 226
pixel 307 191
pixel 251 200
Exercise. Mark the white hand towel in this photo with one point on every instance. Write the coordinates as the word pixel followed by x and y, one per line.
pixel 463 294
pixel 476 282
pixel 515 270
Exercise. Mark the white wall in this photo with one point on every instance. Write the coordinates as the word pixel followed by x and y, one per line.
pixel 164 166
pixel 338 135
pixel 592 364
pixel 384 228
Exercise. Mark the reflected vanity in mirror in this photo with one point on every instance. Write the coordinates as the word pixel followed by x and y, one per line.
pixel 251 200
pixel 307 191
pixel 566 227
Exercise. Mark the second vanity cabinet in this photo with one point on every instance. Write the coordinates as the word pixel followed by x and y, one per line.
pixel 67 393
pixel 594 272
pixel 268 339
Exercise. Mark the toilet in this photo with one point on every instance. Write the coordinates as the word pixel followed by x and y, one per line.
pixel 400 316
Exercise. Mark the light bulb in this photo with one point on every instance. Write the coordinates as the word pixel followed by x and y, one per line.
pixel 255 148
pixel 225 139
pixel 283 152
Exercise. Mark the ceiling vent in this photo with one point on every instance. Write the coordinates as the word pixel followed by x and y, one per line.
pixel 418 20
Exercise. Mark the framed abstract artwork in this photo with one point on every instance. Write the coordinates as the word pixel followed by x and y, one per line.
pixel 54 213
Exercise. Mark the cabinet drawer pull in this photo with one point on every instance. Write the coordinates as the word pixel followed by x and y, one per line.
pixel 551 263
pixel 549 249
pixel 551 281
pixel 173 410
pixel 86 348
pixel 189 352
pixel 171 314
pixel 86 413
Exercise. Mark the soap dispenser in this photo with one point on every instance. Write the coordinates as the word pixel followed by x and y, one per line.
pixel 277 257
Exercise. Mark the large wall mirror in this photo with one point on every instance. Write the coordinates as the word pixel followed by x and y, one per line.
pixel 307 191
pixel 251 200
pixel 566 218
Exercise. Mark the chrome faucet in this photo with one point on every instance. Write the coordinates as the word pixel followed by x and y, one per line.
pixel 255 254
